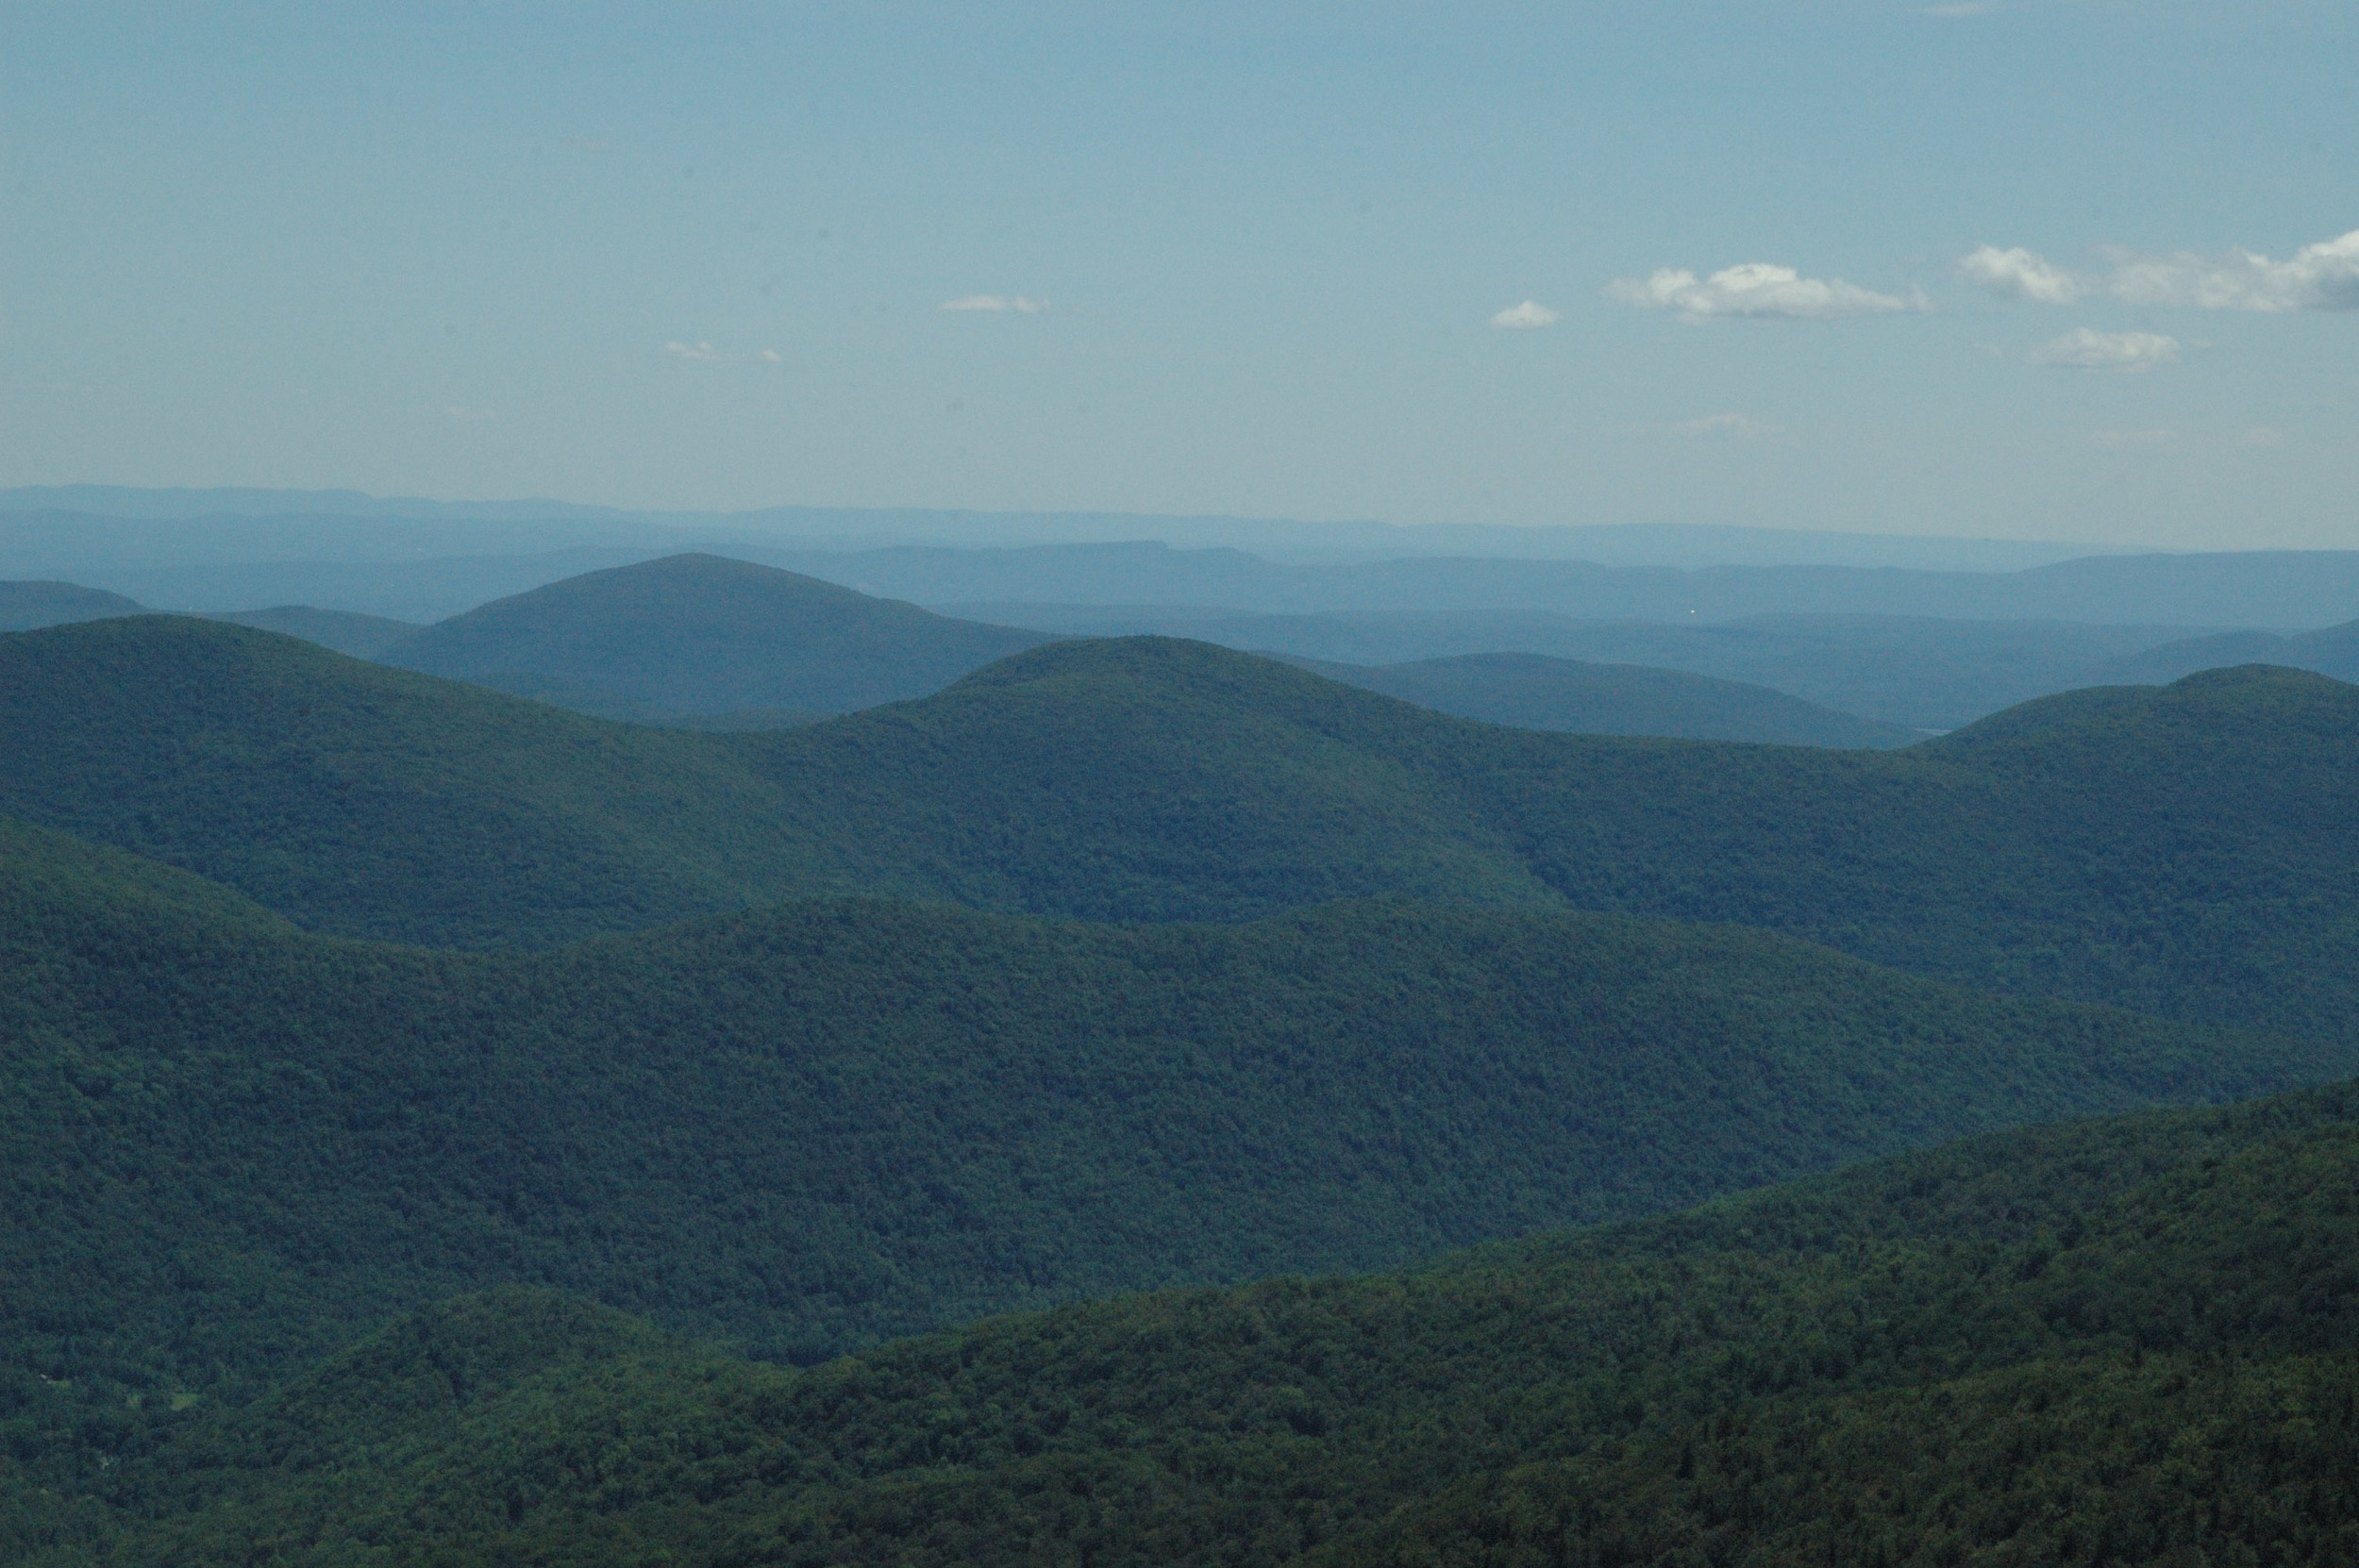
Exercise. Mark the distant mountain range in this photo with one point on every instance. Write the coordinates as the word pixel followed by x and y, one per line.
pixel 322 531
pixel 1533 691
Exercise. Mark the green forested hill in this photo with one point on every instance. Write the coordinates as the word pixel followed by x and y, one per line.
pixel 227 1144
pixel 1534 692
pixel 2104 1342
pixel 703 634
pixel 2191 850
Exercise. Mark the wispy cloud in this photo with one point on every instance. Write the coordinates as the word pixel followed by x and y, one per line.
pixel 456 411
pixel 769 355
pixel 1724 425
pixel 1526 317
pixel 2324 276
pixel 1016 304
pixel 2134 353
pixel 2020 273
pixel 2260 435
pixel 1962 8
pixel 2117 441
pixel 1759 290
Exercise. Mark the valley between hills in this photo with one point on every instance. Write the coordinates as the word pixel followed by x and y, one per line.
pixel 694 1065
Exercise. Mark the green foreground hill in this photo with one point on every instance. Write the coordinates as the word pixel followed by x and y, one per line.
pixel 2191 851
pixel 226 1145
pixel 2127 1340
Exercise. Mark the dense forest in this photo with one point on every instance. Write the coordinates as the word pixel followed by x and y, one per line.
pixel 2191 851
pixel 2129 1339
pixel 811 1126
pixel 442 1128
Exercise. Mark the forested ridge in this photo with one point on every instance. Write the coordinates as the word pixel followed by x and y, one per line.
pixel 436 1128
pixel 2123 1340
pixel 230 1144
pixel 2191 851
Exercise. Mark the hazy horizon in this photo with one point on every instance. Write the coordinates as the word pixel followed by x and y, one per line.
pixel 2013 271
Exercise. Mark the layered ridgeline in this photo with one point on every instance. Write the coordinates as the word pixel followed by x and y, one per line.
pixel 2334 651
pixel 28 605
pixel 2190 850
pixel 2131 1341
pixel 1534 692
pixel 227 1143
pixel 699 634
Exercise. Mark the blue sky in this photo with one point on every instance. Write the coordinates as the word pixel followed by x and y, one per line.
pixel 1243 259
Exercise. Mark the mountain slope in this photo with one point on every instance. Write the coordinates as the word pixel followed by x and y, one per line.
pixel 1911 671
pixel 27 606
pixel 2121 1339
pixel 2191 850
pixel 229 1144
pixel 703 634
pixel 2334 651
pixel 1533 691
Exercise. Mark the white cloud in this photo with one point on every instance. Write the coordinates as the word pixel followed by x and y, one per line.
pixel 1525 317
pixel 2020 273
pixel 2124 440
pixel 1758 288
pixel 2260 435
pixel 695 351
pixel 2324 276
pixel 1963 8
pixel 1724 425
pixel 1015 303
pixel 770 355
pixel 2083 349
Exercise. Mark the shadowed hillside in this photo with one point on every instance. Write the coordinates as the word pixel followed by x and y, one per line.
pixel 702 634
pixel 812 1125
pixel 2108 1341
pixel 1533 691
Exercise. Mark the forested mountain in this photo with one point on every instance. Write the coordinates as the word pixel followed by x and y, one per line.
pixel 2117 1340
pixel 1911 671
pixel 702 634
pixel 28 605
pixel 2191 850
pixel 814 1125
pixel 1533 691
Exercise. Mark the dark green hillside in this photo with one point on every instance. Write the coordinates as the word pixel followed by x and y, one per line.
pixel 702 634
pixel 2104 1342
pixel 1147 778
pixel 1534 692
pixel 229 1144
pixel 344 630
pixel 376 802
pixel 26 605
pixel 2190 850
